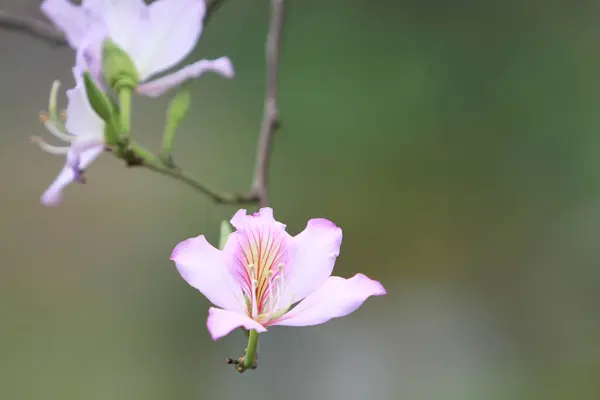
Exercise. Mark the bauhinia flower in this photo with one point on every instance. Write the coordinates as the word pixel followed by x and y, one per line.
pixel 156 37
pixel 83 132
pixel 262 272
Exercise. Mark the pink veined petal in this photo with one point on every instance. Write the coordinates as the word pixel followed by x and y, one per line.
pixel 204 267
pixel 241 220
pixel 68 17
pixel 81 118
pixel 157 87
pixel 53 196
pixel 221 322
pixel 315 250
pixel 338 297
pixel 170 31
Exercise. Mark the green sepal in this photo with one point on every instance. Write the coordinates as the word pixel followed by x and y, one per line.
pixel 102 105
pixel 178 109
pixel 224 234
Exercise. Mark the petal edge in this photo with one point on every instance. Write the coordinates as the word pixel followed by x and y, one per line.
pixel 337 298
pixel 221 322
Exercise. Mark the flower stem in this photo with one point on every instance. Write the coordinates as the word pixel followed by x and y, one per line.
pixel 251 350
pixel 146 158
pixel 125 107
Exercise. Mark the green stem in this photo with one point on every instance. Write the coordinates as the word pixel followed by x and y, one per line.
pixel 153 163
pixel 251 350
pixel 125 108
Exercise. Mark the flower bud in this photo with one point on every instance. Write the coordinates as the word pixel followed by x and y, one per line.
pixel 119 70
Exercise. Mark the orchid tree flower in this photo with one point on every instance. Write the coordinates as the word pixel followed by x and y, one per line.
pixel 262 272
pixel 156 37
pixel 83 133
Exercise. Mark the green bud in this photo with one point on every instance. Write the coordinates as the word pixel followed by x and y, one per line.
pixel 119 69
pixel 225 232
pixel 178 108
pixel 102 105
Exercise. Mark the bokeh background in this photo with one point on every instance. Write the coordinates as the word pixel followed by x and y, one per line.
pixel 456 143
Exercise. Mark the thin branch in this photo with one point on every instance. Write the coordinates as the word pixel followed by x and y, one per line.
pixel 55 37
pixel 33 27
pixel 270 121
pixel 218 198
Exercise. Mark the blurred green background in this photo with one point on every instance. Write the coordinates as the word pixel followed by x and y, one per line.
pixel 456 144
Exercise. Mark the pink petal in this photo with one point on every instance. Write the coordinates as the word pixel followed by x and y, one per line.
pixel 161 85
pixel 204 267
pixel 68 17
pixel 82 147
pixel 170 32
pixel 336 298
pixel 315 251
pixel 53 196
pixel 89 54
pixel 264 216
pixel 221 322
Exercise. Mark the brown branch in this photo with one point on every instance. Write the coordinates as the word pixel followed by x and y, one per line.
pixel 270 121
pixel 52 35
pixel 33 27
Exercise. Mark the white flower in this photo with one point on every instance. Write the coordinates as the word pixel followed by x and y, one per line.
pixel 156 37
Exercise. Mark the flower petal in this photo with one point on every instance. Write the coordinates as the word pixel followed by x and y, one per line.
pixel 222 322
pixel 170 32
pixel 89 55
pixel 53 196
pixel 83 147
pixel 336 298
pixel 71 19
pixel 123 21
pixel 81 117
pixel 204 267
pixel 161 85
pixel 315 251
pixel 264 216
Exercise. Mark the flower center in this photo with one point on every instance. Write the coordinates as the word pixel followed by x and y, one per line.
pixel 263 257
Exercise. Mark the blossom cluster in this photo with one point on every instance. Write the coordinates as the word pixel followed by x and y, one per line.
pixel 260 276
pixel 121 45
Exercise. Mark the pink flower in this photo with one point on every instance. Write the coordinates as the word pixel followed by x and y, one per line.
pixel 262 271
pixel 156 37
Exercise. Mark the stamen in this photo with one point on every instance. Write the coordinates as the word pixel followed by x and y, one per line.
pixel 56 150
pixel 44 117
pixel 253 299
pixel 52 100
pixel 280 267
pixel 53 129
pixel 269 277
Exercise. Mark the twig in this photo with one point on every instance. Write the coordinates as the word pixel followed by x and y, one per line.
pixel 33 27
pixel 188 180
pixel 270 121
pixel 52 35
